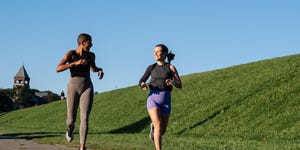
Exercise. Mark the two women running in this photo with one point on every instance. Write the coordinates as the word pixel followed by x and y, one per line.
pixel 80 88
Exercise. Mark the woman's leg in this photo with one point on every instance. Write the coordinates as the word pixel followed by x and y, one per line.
pixel 86 102
pixel 164 123
pixel 166 110
pixel 155 116
pixel 72 105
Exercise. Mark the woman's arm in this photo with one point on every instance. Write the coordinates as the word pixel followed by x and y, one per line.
pixel 176 79
pixel 142 82
pixel 63 65
pixel 94 67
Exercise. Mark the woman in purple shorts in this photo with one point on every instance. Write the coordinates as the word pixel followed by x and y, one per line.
pixel 163 77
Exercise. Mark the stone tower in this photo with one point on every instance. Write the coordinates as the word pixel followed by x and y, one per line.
pixel 21 78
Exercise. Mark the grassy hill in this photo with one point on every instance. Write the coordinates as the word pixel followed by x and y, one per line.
pixel 249 106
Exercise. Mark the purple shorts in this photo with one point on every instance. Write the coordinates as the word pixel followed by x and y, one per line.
pixel 161 100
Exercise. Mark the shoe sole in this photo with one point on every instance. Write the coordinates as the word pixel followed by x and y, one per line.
pixel 151 134
pixel 69 138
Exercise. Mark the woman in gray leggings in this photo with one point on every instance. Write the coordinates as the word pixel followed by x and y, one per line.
pixel 80 88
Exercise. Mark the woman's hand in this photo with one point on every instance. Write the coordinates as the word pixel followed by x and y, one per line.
pixel 81 62
pixel 169 82
pixel 100 73
pixel 144 86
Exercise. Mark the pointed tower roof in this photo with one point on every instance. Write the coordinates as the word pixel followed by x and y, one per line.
pixel 22 73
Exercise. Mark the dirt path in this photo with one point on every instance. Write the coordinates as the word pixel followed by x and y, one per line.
pixel 10 143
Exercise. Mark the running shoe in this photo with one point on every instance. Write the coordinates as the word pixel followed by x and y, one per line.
pixel 69 136
pixel 151 134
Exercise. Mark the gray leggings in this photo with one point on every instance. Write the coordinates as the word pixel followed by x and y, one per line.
pixel 80 92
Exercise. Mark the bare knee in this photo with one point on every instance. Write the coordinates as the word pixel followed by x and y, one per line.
pixel 157 127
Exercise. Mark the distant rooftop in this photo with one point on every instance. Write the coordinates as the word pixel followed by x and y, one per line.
pixel 22 73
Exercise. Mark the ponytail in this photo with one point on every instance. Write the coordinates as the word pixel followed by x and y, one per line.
pixel 170 56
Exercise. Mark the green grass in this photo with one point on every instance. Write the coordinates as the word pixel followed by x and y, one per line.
pixel 249 106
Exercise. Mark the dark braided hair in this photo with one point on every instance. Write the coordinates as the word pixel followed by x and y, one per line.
pixel 170 56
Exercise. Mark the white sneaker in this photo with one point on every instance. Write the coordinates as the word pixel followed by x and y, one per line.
pixel 151 134
pixel 69 136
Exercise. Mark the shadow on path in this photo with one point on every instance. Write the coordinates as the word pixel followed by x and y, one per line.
pixel 31 135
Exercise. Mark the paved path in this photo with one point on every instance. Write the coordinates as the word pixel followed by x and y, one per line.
pixel 10 143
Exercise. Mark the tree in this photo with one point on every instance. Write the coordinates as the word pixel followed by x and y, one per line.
pixel 23 97
pixel 6 104
pixel 51 97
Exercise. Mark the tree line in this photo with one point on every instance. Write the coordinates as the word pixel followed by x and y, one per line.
pixel 23 97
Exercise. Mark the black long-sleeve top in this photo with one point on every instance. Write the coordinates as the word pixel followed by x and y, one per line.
pixel 159 74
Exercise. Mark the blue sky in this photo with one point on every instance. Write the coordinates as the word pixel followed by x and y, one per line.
pixel 204 34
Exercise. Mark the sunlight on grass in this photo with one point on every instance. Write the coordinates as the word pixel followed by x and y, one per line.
pixel 250 106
